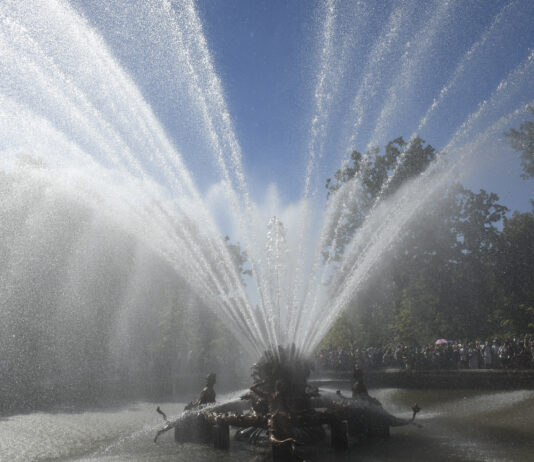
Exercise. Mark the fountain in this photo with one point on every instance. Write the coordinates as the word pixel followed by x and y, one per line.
pixel 285 410
pixel 122 173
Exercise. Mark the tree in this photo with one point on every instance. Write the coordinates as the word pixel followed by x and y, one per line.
pixel 239 258
pixel 522 141
pixel 378 176
pixel 343 332
pixel 440 279
pixel 515 271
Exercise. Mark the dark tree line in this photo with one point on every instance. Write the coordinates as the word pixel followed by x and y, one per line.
pixel 463 269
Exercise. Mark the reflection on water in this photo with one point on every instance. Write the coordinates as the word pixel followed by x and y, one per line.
pixel 457 425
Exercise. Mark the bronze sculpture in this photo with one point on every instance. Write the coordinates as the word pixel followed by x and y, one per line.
pixel 283 410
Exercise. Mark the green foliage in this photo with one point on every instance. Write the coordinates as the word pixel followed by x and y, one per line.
pixel 516 273
pixel 343 332
pixel 522 141
pixel 238 256
pixel 374 169
pixel 369 173
pixel 461 270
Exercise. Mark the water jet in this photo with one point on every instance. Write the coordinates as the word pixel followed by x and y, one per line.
pixel 135 136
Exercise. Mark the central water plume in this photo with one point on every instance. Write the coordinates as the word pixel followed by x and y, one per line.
pixel 80 121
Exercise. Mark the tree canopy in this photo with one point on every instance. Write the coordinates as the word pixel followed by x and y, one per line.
pixel 522 141
pixel 463 269
pixel 375 177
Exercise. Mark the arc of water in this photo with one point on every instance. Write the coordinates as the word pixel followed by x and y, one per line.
pixel 165 169
pixel 332 64
pixel 193 21
pixel 219 140
pixel 460 68
pixel 145 217
pixel 461 132
pixel 276 251
pixel 443 93
pixel 212 226
pixel 400 159
pixel 502 93
pixel 393 224
pixel 320 269
pixel 424 40
pixel 236 308
pixel 47 77
pixel 515 74
pixel 322 95
pixel 371 75
pixel 429 33
pixel 211 265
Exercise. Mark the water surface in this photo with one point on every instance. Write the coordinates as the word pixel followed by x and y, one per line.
pixel 457 426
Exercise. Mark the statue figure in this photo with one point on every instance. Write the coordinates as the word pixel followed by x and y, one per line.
pixel 285 411
pixel 207 395
pixel 359 389
pixel 276 401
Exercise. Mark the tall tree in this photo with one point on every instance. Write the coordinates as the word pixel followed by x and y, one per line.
pixel 515 271
pixel 522 141
pixel 376 176
pixel 439 279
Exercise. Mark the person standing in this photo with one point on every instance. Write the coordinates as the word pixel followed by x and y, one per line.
pixel 488 355
pixel 474 357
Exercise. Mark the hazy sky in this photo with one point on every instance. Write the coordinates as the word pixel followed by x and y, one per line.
pixel 155 111
pixel 268 56
pixel 304 79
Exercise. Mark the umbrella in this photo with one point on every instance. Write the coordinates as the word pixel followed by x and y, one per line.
pixel 440 341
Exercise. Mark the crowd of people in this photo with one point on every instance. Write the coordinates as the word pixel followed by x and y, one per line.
pixel 513 353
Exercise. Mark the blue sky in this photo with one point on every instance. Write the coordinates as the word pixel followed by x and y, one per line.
pixel 394 58
pixel 263 52
pixel 114 95
pixel 266 54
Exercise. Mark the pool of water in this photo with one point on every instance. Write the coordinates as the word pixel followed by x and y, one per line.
pixel 456 426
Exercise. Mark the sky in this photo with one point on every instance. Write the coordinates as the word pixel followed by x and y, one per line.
pixel 292 87
pixel 267 55
pixel 154 107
